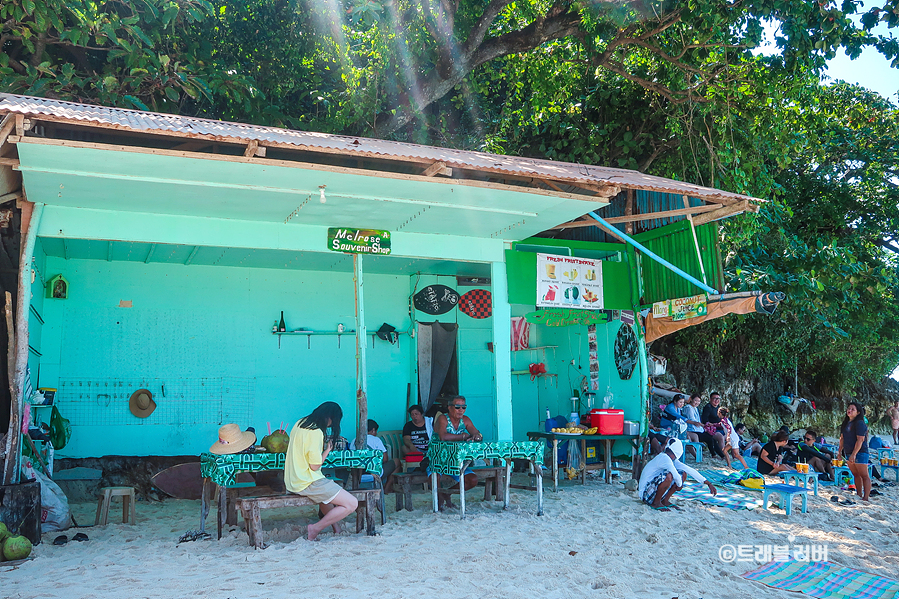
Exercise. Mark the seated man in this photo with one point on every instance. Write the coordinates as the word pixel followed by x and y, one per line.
pixel 665 474
pixel 390 465
pixel 817 457
pixel 417 435
pixel 456 426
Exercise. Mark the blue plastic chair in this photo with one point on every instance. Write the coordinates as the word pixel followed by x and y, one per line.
pixel 805 477
pixel 697 447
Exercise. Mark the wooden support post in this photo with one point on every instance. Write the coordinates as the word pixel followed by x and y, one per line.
pixel 361 376
pixel 31 215
pixel 629 211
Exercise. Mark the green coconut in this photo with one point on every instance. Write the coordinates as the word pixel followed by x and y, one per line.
pixel 276 442
pixel 4 532
pixel 17 547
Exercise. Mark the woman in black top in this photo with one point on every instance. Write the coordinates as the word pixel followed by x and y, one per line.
pixel 768 459
pixel 854 445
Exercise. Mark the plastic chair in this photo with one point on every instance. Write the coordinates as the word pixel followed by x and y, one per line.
pixel 127 495
pixel 697 448
pixel 805 477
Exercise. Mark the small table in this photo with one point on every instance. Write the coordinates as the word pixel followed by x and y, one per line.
pixel 453 457
pixel 634 440
pixel 786 493
pixel 839 471
pixel 805 477
pixel 895 470
pixel 222 470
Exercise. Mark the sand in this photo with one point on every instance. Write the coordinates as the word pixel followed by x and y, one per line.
pixel 595 540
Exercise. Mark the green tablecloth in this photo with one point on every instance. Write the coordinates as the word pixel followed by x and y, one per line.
pixel 447 457
pixel 223 469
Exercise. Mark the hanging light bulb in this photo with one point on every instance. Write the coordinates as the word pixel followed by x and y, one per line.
pixel 321 190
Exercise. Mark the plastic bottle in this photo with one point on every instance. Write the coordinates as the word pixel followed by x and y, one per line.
pixel 547 413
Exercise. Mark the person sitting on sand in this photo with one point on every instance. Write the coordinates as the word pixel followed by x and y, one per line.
pixel 456 426
pixel 389 465
pixel 306 452
pixel 731 438
pixel 664 474
pixel 770 460
pixel 753 445
pixel 817 458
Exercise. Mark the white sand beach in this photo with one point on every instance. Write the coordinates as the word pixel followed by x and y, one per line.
pixel 596 540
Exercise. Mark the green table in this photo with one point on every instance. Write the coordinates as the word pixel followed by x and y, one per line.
pixel 606 464
pixel 453 457
pixel 220 471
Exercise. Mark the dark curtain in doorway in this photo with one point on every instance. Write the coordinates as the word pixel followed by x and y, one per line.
pixel 436 348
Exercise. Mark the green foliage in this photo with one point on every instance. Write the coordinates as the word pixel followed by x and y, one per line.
pixel 133 54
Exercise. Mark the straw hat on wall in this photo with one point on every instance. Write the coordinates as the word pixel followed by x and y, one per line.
pixel 232 440
pixel 141 403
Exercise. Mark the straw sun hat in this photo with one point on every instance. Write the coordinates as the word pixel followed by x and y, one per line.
pixel 232 440
pixel 141 403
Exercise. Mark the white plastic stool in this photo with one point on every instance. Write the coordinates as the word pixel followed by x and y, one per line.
pixel 127 495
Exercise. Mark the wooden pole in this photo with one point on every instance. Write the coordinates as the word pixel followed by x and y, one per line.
pixel 361 376
pixel 31 216
pixel 10 370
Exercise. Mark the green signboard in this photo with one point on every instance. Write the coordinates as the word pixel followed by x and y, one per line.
pixel 563 317
pixel 358 241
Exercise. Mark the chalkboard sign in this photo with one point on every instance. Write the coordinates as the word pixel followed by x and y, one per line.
pixel 435 299
pixel 477 303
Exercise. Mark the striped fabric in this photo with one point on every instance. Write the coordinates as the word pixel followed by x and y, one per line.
pixel 726 499
pixel 824 580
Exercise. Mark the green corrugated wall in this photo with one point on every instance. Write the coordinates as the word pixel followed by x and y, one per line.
pixel 674 243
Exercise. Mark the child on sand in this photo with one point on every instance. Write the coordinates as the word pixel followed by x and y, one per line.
pixel 893 413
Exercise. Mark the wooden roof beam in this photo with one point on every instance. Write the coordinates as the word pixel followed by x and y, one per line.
pixel 438 168
pixel 724 212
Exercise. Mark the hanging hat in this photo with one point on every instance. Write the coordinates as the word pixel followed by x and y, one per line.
pixel 388 333
pixel 141 403
pixel 232 440
pixel 676 447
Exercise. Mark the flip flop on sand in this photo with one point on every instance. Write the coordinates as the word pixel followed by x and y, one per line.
pixel 61 540
pixel 674 506
pixel 660 508
pixel 80 537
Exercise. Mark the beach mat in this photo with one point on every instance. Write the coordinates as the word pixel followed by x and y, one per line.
pixel 725 498
pixel 824 580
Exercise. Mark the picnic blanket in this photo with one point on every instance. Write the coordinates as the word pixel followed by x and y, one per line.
pixel 824 580
pixel 729 478
pixel 725 498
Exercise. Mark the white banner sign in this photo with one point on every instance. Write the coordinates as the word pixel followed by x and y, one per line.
pixel 565 282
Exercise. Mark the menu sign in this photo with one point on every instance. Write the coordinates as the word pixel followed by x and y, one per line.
pixel 358 241
pixel 567 282
pixel 681 308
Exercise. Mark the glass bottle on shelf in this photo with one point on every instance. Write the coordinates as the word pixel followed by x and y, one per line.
pixel 281 326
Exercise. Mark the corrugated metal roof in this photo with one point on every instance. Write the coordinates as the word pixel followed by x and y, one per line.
pixel 645 202
pixel 181 126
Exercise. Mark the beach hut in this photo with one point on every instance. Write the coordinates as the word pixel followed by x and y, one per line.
pixel 185 244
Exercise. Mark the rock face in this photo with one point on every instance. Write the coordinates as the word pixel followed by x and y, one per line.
pixel 754 401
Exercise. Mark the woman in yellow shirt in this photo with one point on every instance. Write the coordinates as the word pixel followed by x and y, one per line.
pixel 306 452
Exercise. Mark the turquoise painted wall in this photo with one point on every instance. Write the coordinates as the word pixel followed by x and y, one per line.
pixel 204 335
pixel 476 362
pixel 199 338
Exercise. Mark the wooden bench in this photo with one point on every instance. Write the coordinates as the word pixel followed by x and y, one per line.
pixel 251 508
pixel 493 478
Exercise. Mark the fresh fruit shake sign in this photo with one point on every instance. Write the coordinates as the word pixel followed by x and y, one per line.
pixel 358 241
pixel 567 282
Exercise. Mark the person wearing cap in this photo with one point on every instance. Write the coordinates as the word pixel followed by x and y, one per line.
pixel 664 475
pixel 306 452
